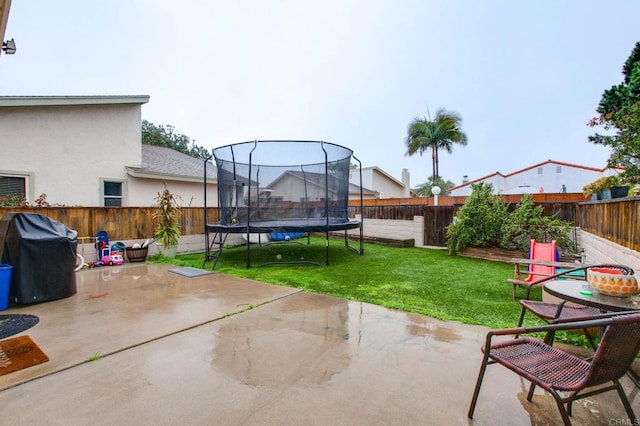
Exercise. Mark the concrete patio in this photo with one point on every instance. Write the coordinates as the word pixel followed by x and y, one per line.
pixel 222 350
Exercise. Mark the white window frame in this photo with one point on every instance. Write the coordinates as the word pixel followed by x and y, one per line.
pixel 104 196
pixel 28 181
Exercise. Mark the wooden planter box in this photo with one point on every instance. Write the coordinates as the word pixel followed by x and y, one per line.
pixel 137 254
pixel 496 254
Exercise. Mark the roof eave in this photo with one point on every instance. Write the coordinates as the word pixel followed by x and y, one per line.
pixel 40 101
pixel 145 174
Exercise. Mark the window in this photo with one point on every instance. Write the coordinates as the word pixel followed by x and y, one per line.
pixel 112 194
pixel 539 170
pixel 558 169
pixel 11 186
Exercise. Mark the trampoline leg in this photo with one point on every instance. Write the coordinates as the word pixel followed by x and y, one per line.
pixel 214 254
pixel 248 252
pixel 327 248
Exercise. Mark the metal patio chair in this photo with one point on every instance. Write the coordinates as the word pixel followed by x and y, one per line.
pixel 559 372
pixel 551 312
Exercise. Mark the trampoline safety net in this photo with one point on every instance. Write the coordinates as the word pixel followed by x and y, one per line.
pixel 280 186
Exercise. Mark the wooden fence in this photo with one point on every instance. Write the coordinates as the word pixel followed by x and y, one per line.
pixel 616 220
pixel 445 200
pixel 121 223
pixel 437 218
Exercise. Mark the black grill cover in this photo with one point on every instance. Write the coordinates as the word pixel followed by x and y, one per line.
pixel 42 252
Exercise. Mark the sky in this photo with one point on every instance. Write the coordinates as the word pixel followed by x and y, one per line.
pixel 525 75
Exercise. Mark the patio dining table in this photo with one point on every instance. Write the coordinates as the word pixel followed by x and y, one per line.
pixel 579 291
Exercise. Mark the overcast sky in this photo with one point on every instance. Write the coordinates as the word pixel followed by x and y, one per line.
pixel 525 76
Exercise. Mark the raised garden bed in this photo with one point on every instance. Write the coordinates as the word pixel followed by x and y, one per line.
pixel 391 242
pixel 491 253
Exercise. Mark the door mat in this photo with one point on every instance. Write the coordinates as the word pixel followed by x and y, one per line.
pixel 11 324
pixel 190 272
pixel 18 353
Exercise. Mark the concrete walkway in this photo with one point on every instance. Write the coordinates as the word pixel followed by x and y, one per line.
pixel 222 350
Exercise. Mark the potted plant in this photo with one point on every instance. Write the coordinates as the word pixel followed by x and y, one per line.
pixel 590 190
pixel 600 189
pixel 168 229
pixel 620 188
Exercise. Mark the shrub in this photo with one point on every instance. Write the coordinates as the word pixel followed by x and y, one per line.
pixel 527 222
pixel 20 201
pixel 478 222
pixel 13 201
pixel 484 221
pixel 602 183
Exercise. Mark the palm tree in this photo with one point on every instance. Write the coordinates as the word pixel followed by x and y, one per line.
pixel 440 133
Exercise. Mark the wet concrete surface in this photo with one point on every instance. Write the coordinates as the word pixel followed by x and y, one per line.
pixel 222 350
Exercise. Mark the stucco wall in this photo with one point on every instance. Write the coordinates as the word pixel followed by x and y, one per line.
pixel 376 181
pixel 550 178
pixel 66 150
pixel 393 229
pixel 142 192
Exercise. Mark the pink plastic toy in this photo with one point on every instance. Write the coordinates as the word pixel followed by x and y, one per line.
pixel 114 259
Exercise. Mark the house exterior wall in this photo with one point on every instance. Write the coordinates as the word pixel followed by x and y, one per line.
pixel 387 188
pixel 545 177
pixel 66 151
pixel 293 189
pixel 365 196
pixel 367 177
pixel 375 180
pixel 550 177
pixel 142 192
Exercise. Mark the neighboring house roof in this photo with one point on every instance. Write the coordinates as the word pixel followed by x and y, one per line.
pixel 385 174
pixel 471 182
pixel 159 162
pixel 498 174
pixel 367 193
pixel 36 101
pixel 317 179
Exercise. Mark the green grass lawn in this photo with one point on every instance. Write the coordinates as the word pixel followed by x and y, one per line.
pixel 425 281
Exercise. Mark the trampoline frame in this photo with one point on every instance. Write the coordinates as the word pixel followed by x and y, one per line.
pixel 327 225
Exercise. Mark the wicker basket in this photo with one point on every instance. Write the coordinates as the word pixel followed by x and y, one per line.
pixel 135 254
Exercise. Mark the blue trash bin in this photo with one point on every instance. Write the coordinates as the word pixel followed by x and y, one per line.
pixel 5 285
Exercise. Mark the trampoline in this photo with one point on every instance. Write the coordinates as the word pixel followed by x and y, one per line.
pixel 275 186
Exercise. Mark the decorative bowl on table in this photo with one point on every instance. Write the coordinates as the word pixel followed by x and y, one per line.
pixel 612 282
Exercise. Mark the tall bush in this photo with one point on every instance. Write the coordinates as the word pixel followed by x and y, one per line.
pixel 478 222
pixel 527 222
pixel 484 221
